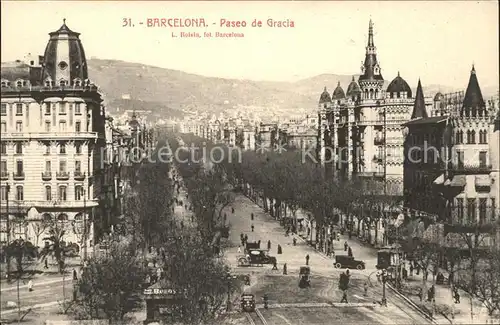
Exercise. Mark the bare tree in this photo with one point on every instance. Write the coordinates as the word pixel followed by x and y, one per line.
pixel 39 227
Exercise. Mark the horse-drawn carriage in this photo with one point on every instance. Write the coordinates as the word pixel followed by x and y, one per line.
pixel 304 277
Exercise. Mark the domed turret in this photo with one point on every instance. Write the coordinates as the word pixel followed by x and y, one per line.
pixel 325 97
pixel 338 93
pixel 353 89
pixel 398 86
pixel 64 59
pixel 438 97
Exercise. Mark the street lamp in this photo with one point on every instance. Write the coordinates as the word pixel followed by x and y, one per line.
pixel 384 280
pixel 7 191
pixel 228 278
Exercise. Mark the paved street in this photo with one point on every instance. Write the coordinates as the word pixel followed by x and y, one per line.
pixel 284 289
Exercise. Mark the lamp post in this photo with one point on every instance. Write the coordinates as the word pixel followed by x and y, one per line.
pixel 7 191
pixel 85 230
pixel 384 280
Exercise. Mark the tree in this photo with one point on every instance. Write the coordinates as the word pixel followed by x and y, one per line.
pixel 488 281
pixel 39 227
pixel 110 285
pixel 56 245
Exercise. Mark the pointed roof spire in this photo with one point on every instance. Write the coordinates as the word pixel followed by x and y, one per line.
pixel 370 33
pixel 64 21
pixel 419 110
pixel 352 79
pixel 338 84
pixel 324 89
pixel 473 71
pixel 399 76
pixel 473 97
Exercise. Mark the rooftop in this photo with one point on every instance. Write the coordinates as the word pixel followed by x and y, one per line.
pixel 427 120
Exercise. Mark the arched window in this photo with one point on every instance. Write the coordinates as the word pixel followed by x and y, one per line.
pixel 473 137
pixel 79 194
pixel 4 83
pixel 79 217
pixel 62 217
pixel 48 82
pixel 78 82
pixel 62 83
pixel 46 217
pixel 62 193
pixel 19 83
pixel 19 193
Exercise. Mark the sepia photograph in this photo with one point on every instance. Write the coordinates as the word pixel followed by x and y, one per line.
pixel 249 162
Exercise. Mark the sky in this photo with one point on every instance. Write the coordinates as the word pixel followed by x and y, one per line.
pixel 436 41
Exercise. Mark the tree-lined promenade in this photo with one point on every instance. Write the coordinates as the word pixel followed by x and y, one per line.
pixel 283 184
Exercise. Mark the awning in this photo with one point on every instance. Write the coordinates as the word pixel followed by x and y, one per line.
pixel 459 181
pixel 483 181
pixel 439 180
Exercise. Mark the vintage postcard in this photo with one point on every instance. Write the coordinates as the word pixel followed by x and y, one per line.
pixel 250 162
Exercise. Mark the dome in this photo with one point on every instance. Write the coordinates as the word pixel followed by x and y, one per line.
pixel 64 56
pixel 438 97
pixel 338 93
pixel 399 85
pixel 325 97
pixel 353 88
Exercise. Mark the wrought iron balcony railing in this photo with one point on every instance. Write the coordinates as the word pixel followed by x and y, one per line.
pixel 79 176
pixel 470 168
pixel 62 176
pixel 379 141
pixel 46 176
pixel 18 176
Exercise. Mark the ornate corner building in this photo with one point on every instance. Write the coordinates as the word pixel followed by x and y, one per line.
pixel 52 140
pixel 360 132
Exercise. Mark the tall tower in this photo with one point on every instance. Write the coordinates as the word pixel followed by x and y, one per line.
pixel 64 59
pixel 371 80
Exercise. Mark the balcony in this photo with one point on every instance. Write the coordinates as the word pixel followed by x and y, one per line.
pixel 378 159
pixel 18 176
pixel 470 168
pixel 62 176
pixel 379 141
pixel 79 176
pixel 46 176
pixel 15 136
pixel 4 175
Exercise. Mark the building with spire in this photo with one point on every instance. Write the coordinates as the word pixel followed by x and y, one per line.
pixel 451 168
pixel 360 132
pixel 52 136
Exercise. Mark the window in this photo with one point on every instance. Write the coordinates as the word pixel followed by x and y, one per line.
pixel 460 158
pixel 4 126
pixel 3 193
pixel 62 126
pixel 47 109
pixel 19 168
pixel 482 159
pixel 78 166
pixel 460 209
pixel 78 126
pixel 78 148
pixel 48 166
pixel 19 83
pixel 483 137
pixel 3 166
pixel 78 192
pixel 19 148
pixel 62 83
pixel 19 126
pixel 482 210
pixel 493 209
pixel 19 109
pixel 47 126
pixel 62 193
pixel 78 110
pixel 3 110
pixel 19 193
pixel 4 148
pixel 47 149
pixel 62 108
pixel 78 82
pixel 471 210
pixel 48 193
pixel 473 137
pixel 62 166
pixel 62 149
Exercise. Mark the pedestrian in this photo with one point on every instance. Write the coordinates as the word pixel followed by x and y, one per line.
pixel 232 210
pixel 258 243
pixel 46 266
pixel 275 266
pixel 252 227
pixel 268 245
pixel 280 251
pixel 365 289
pixel 284 269
pixel 349 251
pixel 456 295
pixel 405 274
pixel 30 285
pixel 338 237
pixel 420 294
pixel 239 249
pixel 251 216
pixel 75 275
pixel 417 268
pixel 294 241
pixel 411 269
pixel 345 246
pixel 246 238
pixel 307 259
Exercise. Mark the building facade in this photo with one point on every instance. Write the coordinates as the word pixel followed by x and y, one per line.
pixel 359 131
pixel 52 135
